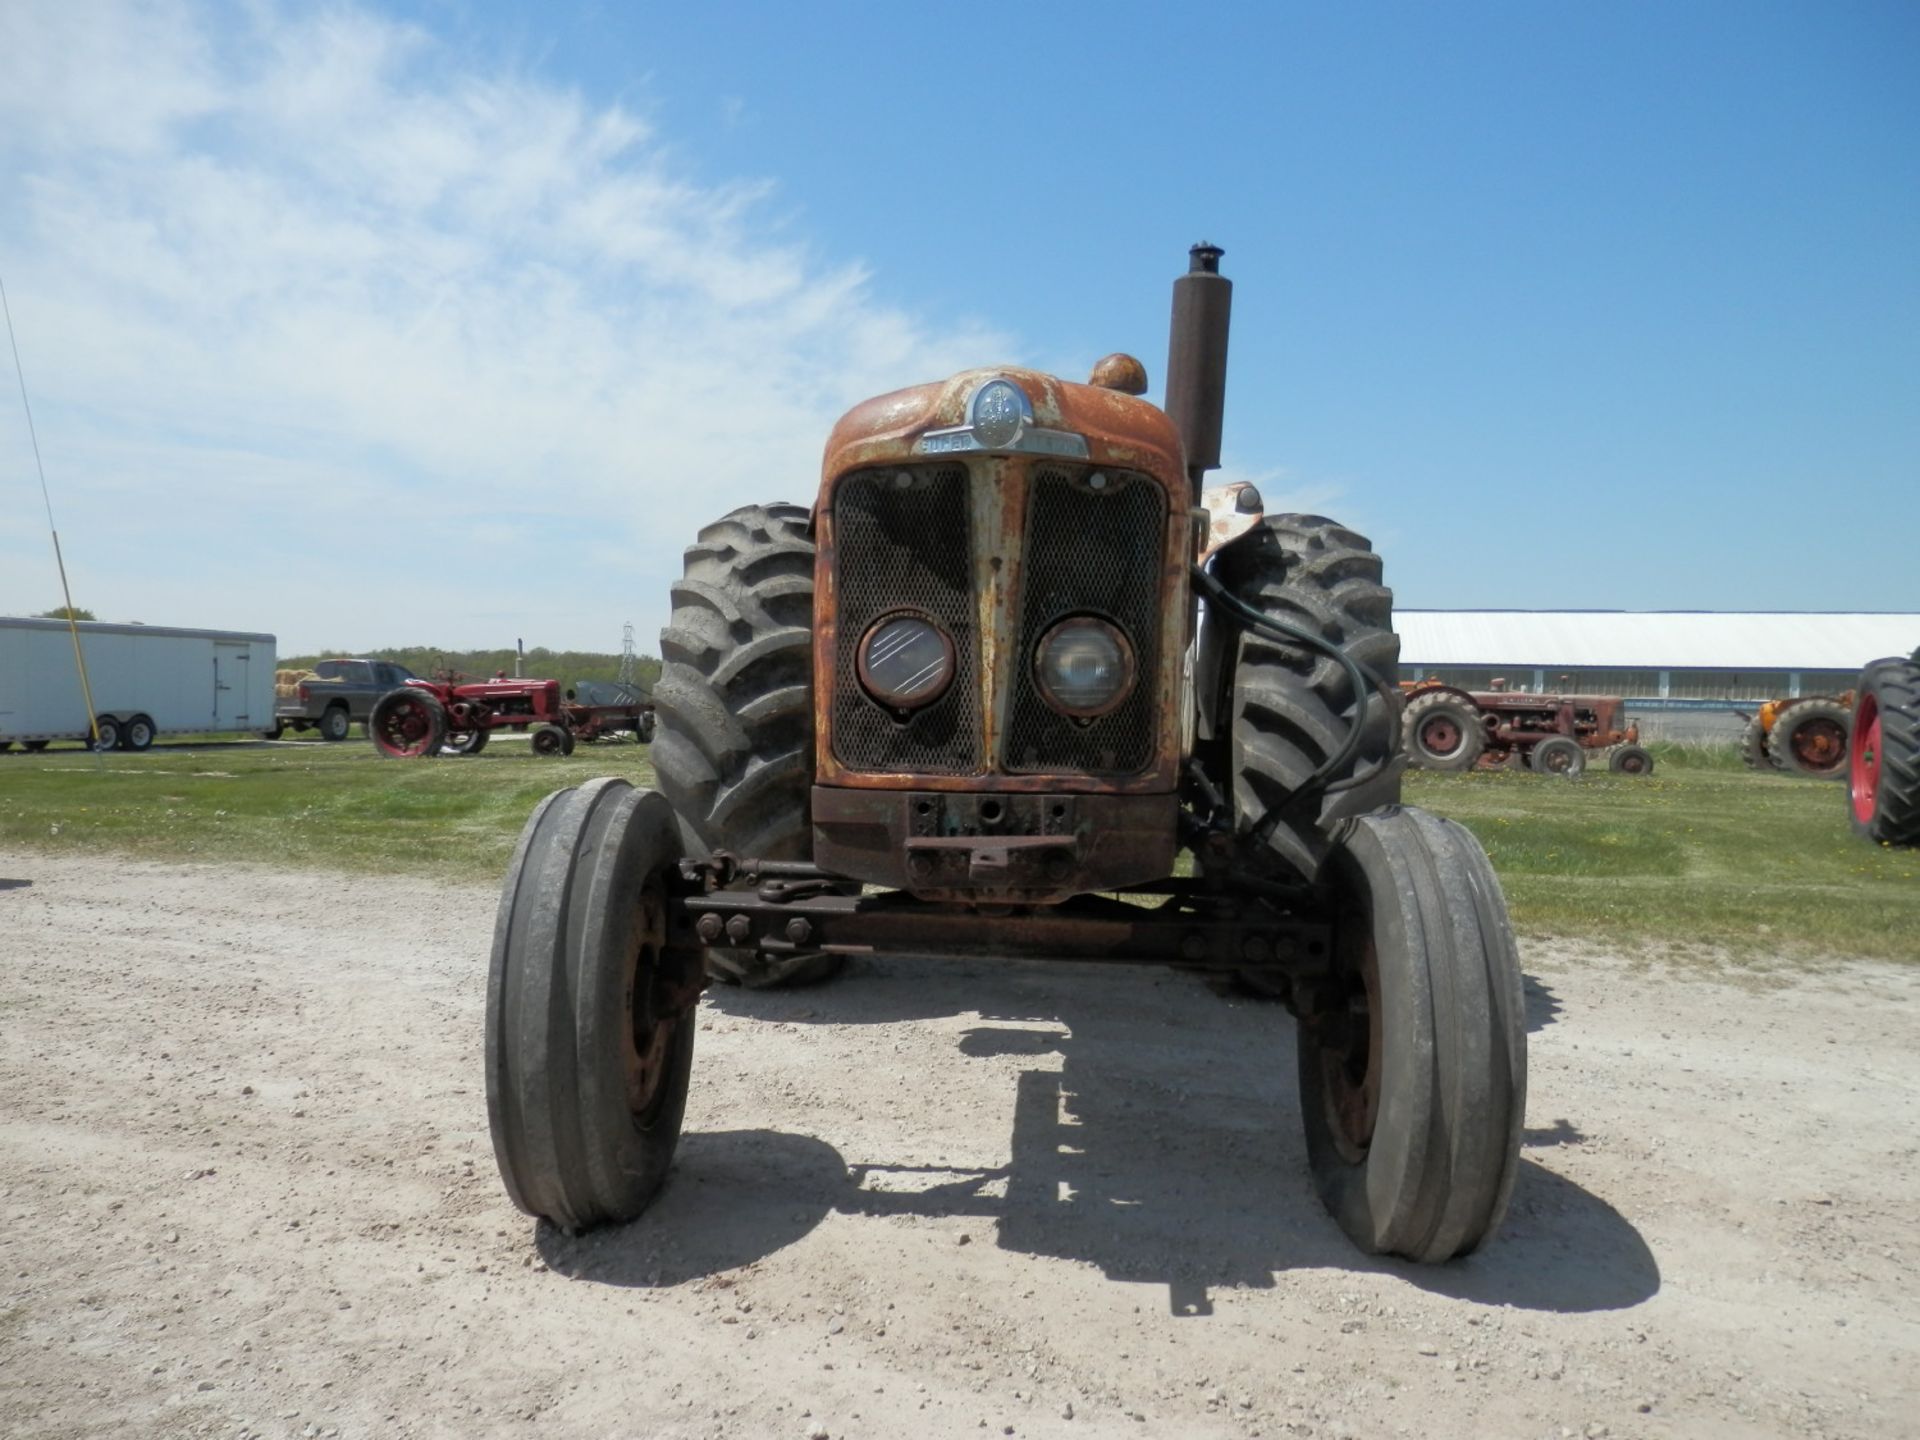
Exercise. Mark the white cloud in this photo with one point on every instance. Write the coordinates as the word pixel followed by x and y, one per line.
pixel 295 292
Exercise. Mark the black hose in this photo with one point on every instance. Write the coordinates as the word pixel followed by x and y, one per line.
pixel 1361 679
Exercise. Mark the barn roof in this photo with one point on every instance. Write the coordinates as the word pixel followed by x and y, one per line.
pixel 1655 639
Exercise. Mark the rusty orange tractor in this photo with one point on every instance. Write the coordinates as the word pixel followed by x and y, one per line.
pixel 1014 658
pixel 1800 735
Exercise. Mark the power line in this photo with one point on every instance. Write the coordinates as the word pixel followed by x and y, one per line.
pixel 59 561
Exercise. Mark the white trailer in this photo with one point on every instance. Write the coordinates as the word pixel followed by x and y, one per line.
pixel 147 681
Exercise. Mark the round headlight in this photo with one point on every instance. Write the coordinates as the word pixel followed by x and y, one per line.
pixel 905 662
pixel 1084 667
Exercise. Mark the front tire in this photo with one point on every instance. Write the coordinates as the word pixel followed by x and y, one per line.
pixel 1630 760
pixel 1558 755
pixel 587 1074
pixel 1413 1055
pixel 405 724
pixel 733 743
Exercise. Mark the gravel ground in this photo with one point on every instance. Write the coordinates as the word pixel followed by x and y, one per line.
pixel 247 1189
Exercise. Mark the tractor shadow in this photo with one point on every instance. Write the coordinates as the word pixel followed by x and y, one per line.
pixel 1157 1137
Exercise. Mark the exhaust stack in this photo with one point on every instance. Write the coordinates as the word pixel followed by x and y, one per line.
pixel 1197 360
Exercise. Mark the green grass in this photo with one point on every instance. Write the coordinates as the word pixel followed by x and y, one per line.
pixel 314 804
pixel 1701 854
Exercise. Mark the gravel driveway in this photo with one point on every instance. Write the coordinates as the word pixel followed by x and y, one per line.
pixel 247 1188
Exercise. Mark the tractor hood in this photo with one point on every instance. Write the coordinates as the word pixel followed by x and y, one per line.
pixel 1005 410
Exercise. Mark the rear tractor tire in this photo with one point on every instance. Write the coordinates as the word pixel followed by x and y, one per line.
pixel 1290 708
pixel 1810 738
pixel 590 1023
pixel 733 709
pixel 1883 779
pixel 1630 760
pixel 1413 1053
pixel 1558 755
pixel 1443 731
pixel 407 724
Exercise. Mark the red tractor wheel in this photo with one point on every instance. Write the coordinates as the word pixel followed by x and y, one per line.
pixel 1444 730
pixel 407 724
pixel 1883 779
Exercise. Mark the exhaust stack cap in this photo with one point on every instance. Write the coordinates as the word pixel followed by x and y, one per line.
pixel 1197 358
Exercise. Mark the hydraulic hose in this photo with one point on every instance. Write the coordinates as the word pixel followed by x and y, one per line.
pixel 1359 677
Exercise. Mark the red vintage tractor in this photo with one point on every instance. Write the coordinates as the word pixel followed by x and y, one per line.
pixel 446 716
pixel 1446 728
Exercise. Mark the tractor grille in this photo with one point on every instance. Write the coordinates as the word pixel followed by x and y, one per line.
pixel 904 541
pixel 1089 552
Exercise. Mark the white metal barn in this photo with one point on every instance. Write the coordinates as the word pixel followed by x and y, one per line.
pixel 147 680
pixel 1686 672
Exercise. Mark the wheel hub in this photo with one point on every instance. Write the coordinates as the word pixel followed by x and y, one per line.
pixel 1440 736
pixel 1351 1059
pixel 648 1039
pixel 1820 743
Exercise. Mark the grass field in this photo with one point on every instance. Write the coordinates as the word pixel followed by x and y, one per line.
pixel 1702 854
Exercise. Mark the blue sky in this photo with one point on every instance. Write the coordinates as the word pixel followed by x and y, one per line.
pixel 449 323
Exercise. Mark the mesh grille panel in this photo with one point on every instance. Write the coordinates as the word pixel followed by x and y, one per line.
pixel 906 546
pixel 1089 552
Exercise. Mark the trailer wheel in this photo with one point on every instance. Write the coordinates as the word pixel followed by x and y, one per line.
pixel 589 1029
pixel 33 747
pixel 467 742
pixel 1443 731
pixel 551 740
pixel 137 733
pixel 1558 755
pixel 1413 1055
pixel 407 724
pixel 335 722
pixel 1630 760
pixel 107 733
pixel 1291 708
pixel 1810 738
pixel 1883 781
pixel 1753 747
pixel 274 731
pixel 733 743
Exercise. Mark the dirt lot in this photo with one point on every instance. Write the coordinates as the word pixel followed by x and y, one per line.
pixel 247 1188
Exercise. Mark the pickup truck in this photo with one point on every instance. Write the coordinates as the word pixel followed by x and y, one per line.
pixel 338 693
